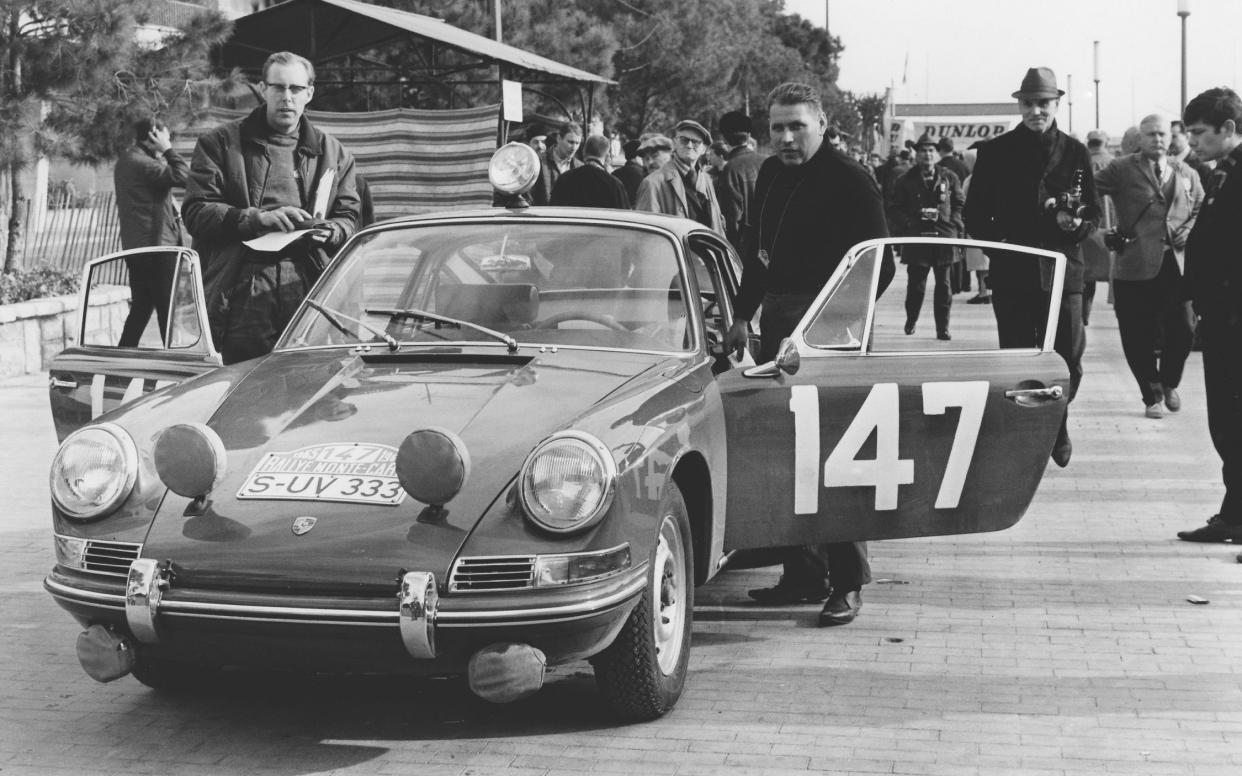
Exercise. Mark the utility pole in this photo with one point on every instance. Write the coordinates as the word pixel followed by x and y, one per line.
pixel 499 36
pixel 1069 92
pixel 1183 11
pixel 1095 61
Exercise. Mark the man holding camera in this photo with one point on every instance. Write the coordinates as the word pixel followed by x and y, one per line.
pixel 1157 199
pixel 1036 158
pixel 927 201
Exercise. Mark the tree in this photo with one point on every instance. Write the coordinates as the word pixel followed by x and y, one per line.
pixel 62 67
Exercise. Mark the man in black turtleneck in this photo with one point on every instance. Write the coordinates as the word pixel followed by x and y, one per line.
pixel 811 205
pixel 1017 181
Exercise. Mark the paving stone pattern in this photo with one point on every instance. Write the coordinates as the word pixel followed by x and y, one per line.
pixel 1064 646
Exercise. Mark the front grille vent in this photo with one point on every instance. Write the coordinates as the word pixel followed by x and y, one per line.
pixel 487 574
pixel 111 558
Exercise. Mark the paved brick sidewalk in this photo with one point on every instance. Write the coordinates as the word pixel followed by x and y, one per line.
pixel 1063 646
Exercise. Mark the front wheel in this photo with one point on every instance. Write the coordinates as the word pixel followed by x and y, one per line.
pixel 642 673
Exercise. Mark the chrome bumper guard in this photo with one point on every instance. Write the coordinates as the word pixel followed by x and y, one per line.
pixel 417 613
pixel 144 588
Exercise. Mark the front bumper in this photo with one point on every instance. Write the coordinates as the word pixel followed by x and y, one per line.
pixel 415 630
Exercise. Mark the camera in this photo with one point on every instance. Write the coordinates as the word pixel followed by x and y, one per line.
pixel 1071 201
pixel 928 217
pixel 1116 241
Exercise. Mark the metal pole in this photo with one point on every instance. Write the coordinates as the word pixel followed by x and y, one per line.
pixel 1096 70
pixel 1183 11
pixel 1069 92
pixel 499 37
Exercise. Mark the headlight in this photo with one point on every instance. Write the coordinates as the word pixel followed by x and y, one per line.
pixel 567 482
pixel 93 471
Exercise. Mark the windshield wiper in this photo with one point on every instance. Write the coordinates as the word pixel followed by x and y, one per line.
pixel 333 315
pixel 423 315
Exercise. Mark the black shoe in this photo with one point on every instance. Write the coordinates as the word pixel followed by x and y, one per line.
pixel 1062 451
pixel 980 299
pixel 840 608
pixel 1216 530
pixel 944 335
pixel 909 327
pixel 783 593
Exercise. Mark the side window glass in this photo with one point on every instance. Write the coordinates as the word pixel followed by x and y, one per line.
pixel 840 324
pixel 128 299
pixel 185 330
pixel 971 327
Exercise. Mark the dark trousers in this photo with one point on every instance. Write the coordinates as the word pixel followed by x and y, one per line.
pixel 259 306
pixel 1222 377
pixel 842 566
pixel 150 288
pixel 1022 319
pixel 1145 308
pixel 916 288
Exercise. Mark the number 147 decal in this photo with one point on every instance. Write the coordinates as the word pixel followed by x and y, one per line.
pixel 881 413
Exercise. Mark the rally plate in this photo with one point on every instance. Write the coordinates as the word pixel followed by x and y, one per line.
pixel 358 473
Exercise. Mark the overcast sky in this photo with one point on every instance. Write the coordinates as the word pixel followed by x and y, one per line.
pixel 978 50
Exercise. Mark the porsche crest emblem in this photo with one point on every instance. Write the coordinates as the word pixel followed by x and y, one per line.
pixel 303 525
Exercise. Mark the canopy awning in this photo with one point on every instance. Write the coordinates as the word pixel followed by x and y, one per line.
pixel 325 30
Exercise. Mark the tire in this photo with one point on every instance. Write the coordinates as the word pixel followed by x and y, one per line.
pixel 170 676
pixel 642 673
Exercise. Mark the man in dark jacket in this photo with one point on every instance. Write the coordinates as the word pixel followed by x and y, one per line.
pixel 928 201
pixel 812 204
pixel 144 178
pixel 737 181
pixel 591 185
pixel 1022 191
pixel 633 171
pixel 1214 278
pixel 559 159
pixel 261 174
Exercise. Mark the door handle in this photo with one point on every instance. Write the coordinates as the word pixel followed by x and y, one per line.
pixel 1054 392
pixel 68 385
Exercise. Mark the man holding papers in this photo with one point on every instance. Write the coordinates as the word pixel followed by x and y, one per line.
pixel 269 200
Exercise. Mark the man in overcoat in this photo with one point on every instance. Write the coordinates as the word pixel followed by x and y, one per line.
pixel 1157 199
pixel 591 185
pixel 1034 186
pixel 928 201
pixel 679 188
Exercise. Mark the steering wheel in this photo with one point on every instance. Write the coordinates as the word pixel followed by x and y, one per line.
pixel 580 315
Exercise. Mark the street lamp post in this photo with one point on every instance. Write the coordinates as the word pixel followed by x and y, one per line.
pixel 1069 92
pixel 1183 10
pixel 1095 68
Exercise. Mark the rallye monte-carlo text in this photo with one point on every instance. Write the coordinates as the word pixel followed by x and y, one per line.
pixel 495 441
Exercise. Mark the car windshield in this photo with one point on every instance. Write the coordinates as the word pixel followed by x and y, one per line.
pixel 539 283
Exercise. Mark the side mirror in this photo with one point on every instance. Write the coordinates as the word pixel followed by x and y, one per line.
pixel 787 361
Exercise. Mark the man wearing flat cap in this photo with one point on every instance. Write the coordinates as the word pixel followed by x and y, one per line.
pixel 737 181
pixel 927 201
pixel 1020 183
pixel 679 188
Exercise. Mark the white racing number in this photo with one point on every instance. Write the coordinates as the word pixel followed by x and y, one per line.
pixel 881 413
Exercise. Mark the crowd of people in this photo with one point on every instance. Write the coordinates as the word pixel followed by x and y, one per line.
pixel 1161 222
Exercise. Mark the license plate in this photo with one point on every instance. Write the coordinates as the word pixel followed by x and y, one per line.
pixel 351 473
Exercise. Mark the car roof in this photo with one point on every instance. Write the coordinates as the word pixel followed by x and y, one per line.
pixel 675 224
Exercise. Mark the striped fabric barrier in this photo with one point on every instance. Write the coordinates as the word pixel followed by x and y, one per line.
pixel 415 161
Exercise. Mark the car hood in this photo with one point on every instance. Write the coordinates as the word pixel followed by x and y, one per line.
pixel 312 405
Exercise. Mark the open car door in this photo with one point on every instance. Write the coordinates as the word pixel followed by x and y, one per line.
pixel 119 357
pixel 863 432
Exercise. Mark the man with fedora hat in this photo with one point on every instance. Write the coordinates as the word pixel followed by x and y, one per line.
pixel 678 188
pixel 928 201
pixel 737 181
pixel 1034 186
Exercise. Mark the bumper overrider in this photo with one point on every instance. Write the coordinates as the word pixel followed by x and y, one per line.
pixel 488 634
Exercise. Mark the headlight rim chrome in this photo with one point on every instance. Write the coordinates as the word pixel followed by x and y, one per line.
pixel 129 454
pixel 605 460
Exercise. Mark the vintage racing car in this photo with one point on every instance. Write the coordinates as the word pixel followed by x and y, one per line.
pixel 495 441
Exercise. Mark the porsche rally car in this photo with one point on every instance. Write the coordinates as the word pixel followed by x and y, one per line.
pixel 495 441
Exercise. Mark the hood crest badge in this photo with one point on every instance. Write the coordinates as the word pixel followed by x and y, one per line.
pixel 303 525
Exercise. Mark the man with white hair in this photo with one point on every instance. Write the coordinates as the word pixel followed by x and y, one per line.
pixel 1157 199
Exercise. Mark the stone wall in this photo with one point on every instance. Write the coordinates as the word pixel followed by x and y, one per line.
pixel 32 333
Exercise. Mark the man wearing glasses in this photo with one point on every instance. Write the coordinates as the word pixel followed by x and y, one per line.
pixel 267 173
pixel 680 188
